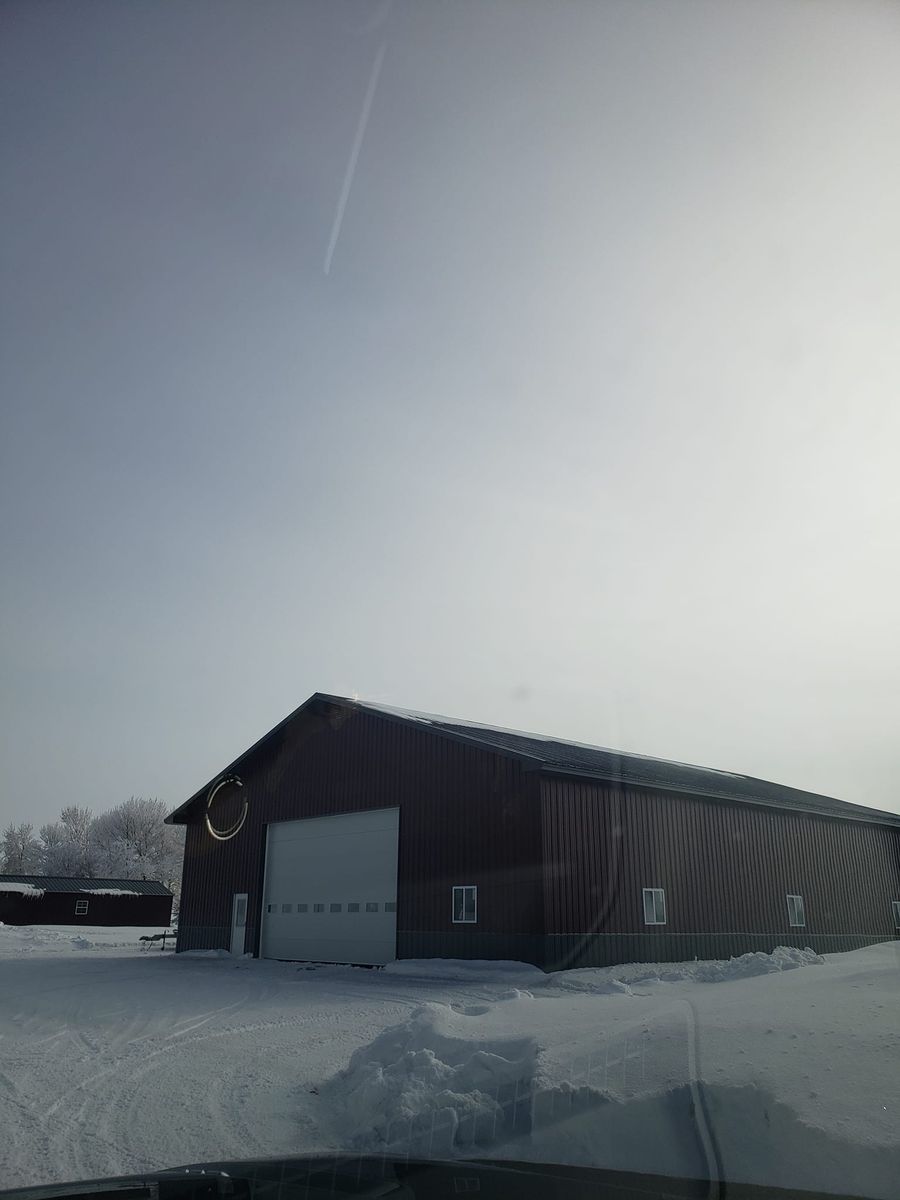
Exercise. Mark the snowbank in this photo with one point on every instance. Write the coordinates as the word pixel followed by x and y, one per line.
pixel 466 969
pixel 22 889
pixel 486 1080
pixel 703 1131
pixel 207 954
pixel 467 1078
pixel 425 1087
pixel 62 939
pixel 604 980
pixel 782 958
pixel 621 978
pixel 28 939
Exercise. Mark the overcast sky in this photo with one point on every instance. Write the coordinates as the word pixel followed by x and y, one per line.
pixel 532 363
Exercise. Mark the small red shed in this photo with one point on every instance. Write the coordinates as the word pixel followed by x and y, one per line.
pixel 52 900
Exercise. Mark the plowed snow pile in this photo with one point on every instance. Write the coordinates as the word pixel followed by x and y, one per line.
pixel 432 1085
pixel 582 1069
pixel 745 966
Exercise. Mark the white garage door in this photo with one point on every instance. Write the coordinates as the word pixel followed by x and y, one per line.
pixel 331 889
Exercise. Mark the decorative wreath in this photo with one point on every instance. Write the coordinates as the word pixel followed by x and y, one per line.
pixel 222 835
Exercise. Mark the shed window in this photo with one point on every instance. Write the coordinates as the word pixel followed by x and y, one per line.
pixel 796 912
pixel 286 908
pixel 352 907
pixel 371 906
pixel 654 906
pixel 81 907
pixel 465 905
pixel 318 908
pixel 895 905
pixel 270 908
pixel 336 907
pixel 302 908
pixel 390 906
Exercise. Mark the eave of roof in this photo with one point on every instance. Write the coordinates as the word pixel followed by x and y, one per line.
pixel 491 738
pixel 847 811
pixel 66 883
pixel 172 818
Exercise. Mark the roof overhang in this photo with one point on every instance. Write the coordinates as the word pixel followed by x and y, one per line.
pixel 473 736
pixel 324 701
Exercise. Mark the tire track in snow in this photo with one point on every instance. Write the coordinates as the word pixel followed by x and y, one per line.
pixel 225 1117
pixel 91 1135
pixel 137 1083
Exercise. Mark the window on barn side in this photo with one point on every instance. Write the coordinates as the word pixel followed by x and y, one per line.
pixel 796 911
pixel 654 906
pixel 465 905
pixel 81 907
pixel 285 908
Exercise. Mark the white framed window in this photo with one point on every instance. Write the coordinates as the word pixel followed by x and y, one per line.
pixel 81 907
pixel 654 906
pixel 895 906
pixel 465 905
pixel 796 911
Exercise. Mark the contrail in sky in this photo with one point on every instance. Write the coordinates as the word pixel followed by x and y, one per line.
pixel 354 155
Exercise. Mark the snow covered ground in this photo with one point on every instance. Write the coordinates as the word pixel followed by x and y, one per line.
pixel 782 1068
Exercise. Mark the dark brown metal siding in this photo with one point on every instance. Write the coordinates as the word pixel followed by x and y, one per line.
pixel 466 817
pixel 726 869
pixel 58 908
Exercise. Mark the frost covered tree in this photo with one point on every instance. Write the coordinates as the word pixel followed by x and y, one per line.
pixel 65 845
pixel 56 855
pixel 20 851
pixel 76 823
pixel 111 853
pixel 132 841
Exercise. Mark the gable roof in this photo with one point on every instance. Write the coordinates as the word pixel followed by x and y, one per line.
pixel 557 757
pixel 58 883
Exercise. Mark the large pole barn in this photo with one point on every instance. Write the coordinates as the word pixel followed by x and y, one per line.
pixel 354 832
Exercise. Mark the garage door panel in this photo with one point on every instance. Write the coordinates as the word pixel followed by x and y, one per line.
pixel 310 948
pixel 325 827
pixel 315 870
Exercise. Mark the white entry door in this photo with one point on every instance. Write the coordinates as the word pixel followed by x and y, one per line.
pixel 238 922
pixel 331 889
